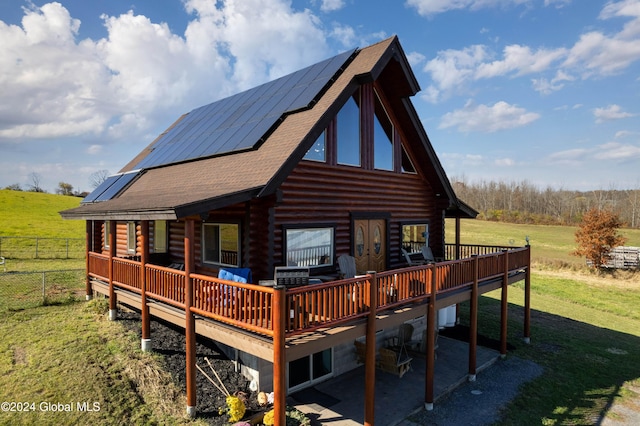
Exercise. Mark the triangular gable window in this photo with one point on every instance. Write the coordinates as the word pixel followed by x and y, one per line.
pixel 407 165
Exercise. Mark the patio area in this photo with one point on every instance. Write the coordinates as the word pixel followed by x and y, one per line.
pixel 340 401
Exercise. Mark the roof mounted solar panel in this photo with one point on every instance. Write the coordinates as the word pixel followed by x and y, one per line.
pixel 111 187
pixel 240 122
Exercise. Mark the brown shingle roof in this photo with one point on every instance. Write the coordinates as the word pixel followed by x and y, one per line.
pixel 196 187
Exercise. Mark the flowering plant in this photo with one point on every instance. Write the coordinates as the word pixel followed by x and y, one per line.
pixel 235 408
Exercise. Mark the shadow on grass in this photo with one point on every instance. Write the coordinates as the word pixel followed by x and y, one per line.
pixel 585 366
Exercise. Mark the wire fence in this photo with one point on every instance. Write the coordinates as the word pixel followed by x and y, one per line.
pixel 42 248
pixel 23 290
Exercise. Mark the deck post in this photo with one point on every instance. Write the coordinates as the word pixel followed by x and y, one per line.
pixel 527 298
pixel 473 322
pixel 113 311
pixel 190 326
pixel 370 358
pixel 278 320
pixel 431 340
pixel 89 249
pixel 457 238
pixel 145 341
pixel 504 299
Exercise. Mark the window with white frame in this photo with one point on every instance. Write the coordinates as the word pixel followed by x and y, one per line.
pixel 312 247
pixel 131 237
pixel 221 243
pixel 107 233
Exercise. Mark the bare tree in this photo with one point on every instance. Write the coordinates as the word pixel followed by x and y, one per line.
pixel 14 187
pixel 35 179
pixel 98 177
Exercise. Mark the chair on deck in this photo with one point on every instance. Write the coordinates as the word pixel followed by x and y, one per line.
pixel 427 254
pixel 347 266
pixel 393 362
pixel 413 259
pixel 405 338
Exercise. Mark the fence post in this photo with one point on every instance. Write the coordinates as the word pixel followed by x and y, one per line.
pixel 44 293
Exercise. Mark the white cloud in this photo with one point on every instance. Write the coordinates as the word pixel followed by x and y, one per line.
pixel 504 162
pixel 125 84
pixel 432 7
pixel 331 5
pixel 345 34
pixel 617 151
pixel 415 58
pixel 611 112
pixel 453 68
pixel 519 60
pixel 545 87
pixel 484 118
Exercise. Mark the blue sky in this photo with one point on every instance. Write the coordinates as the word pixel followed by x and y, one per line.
pixel 543 91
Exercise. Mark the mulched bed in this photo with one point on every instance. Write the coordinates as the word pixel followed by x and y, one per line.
pixel 169 341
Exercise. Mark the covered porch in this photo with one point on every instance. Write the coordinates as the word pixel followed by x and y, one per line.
pixel 280 324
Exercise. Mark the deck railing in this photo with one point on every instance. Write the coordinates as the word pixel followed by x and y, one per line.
pixel 311 307
pixel 468 250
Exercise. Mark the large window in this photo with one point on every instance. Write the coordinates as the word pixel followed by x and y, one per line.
pixel 312 247
pixel 415 236
pixel 348 126
pixel 221 243
pixel 382 138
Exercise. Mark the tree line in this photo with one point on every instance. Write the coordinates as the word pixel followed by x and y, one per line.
pixel 523 202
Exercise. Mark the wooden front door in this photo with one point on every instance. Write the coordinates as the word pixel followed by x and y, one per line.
pixel 369 245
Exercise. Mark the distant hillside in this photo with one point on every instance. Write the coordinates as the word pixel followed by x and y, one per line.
pixel 33 214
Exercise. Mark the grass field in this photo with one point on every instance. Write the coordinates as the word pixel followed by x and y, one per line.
pixel 32 214
pixel 549 244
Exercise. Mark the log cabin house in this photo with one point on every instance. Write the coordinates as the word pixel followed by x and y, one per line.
pixel 330 160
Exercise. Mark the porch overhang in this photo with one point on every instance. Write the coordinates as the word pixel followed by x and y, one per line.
pixel 131 209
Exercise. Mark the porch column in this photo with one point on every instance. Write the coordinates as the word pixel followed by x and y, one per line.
pixel 113 311
pixel 473 322
pixel 457 238
pixel 190 325
pixel 504 299
pixel 370 353
pixel 527 298
pixel 431 341
pixel 279 319
pixel 145 342
pixel 89 249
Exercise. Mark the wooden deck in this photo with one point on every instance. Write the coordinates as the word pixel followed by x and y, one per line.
pixel 318 316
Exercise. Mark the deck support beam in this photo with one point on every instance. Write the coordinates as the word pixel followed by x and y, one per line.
pixel 279 316
pixel 527 299
pixel 145 341
pixel 504 303
pixel 370 354
pixel 113 307
pixel 473 323
pixel 431 341
pixel 190 325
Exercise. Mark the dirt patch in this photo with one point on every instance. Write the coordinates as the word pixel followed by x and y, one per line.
pixel 169 341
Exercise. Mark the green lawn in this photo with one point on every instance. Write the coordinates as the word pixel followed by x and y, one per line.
pixel 32 214
pixel 549 244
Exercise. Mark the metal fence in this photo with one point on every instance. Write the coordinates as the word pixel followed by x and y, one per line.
pixel 22 290
pixel 42 248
